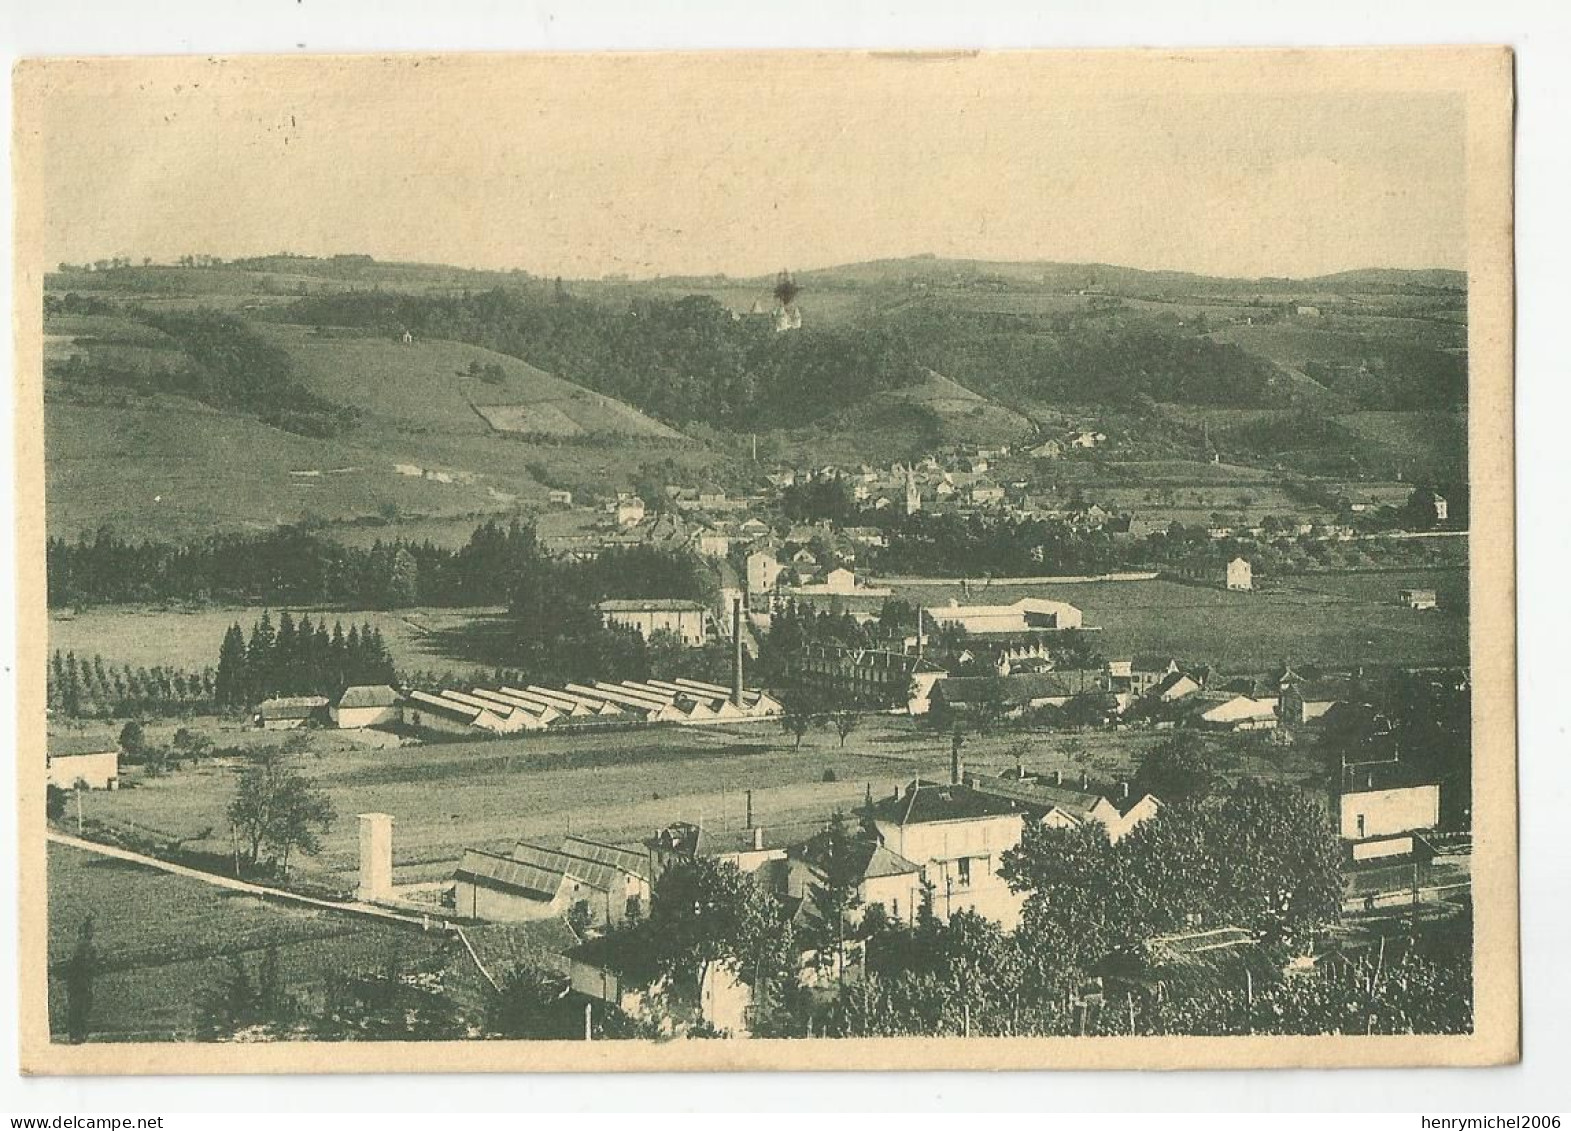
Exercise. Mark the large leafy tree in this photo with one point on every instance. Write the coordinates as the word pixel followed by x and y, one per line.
pixel 705 912
pixel 278 809
pixel 1257 856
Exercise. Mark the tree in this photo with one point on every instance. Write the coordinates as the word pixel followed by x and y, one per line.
pixel 846 718
pixel 133 739
pixel 277 808
pixel 54 806
pixel 1177 770
pixel 81 970
pixel 835 896
pixel 705 911
pixel 800 713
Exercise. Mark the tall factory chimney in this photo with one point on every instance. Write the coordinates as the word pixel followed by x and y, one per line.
pixel 956 767
pixel 736 647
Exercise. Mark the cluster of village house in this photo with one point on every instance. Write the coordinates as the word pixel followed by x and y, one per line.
pixel 938 842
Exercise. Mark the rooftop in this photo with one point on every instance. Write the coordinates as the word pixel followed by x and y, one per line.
pixel 650 605
pixel 927 802
pixel 66 745
pixel 368 695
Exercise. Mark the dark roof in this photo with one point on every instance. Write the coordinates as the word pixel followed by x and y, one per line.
pixel 871 860
pixel 502 946
pixel 368 695
pixel 924 802
pixel 1369 777
pixel 66 745
pixel 651 605
pixel 1327 691
pixel 601 877
pixel 624 859
pixel 296 707
pixel 509 875
pixel 1010 689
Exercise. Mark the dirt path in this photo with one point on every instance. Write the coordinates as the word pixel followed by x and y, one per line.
pixel 261 891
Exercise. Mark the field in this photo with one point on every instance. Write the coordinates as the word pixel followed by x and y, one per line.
pixel 189 638
pixel 1308 618
pixel 423 451
pixel 617 787
pixel 165 941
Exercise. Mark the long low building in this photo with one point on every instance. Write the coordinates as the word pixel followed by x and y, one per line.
pixel 513 710
pixel 1029 614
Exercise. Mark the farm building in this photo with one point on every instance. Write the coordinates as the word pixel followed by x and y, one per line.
pixel 688 621
pixel 365 706
pixel 425 711
pixel 1379 799
pixel 541 882
pixel 1304 701
pixel 1141 674
pixel 1235 574
pixel 1015 693
pixel 92 763
pixel 1029 614
pixel 559 498
pixel 1175 686
pixel 1417 598
pixel 1242 712
pixel 289 713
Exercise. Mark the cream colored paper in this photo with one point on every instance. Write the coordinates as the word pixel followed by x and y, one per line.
pixel 260 100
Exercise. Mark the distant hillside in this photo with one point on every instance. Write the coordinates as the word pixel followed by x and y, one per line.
pixel 452 387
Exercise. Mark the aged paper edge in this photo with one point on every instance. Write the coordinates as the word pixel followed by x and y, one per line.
pixel 1481 75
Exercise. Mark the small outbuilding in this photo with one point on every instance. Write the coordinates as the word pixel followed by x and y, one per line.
pixel 365 705
pixel 83 763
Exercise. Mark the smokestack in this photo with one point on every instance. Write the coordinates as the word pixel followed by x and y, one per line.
pixel 1125 790
pixel 956 767
pixel 376 856
pixel 919 612
pixel 1058 777
pixel 749 808
pixel 758 840
pixel 1085 779
pixel 736 646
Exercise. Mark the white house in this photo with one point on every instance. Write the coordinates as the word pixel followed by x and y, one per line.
pixel 1240 574
pixel 1417 598
pixel 688 621
pixel 91 763
pixel 1384 799
pixel 763 571
pixel 958 836
pixel 366 705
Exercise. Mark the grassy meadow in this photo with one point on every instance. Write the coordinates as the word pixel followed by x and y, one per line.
pixel 165 942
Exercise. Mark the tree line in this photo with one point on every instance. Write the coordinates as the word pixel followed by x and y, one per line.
pixel 218 360
pixel 682 360
pixel 83 688
pixel 297 659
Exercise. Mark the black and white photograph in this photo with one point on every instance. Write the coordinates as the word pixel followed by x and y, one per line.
pixel 768 560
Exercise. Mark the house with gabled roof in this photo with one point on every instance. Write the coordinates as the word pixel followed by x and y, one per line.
pixel 365 705
pixel 597 884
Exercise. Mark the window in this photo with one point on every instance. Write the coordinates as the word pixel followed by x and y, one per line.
pixel 1360 825
pixel 635 906
pixel 963 868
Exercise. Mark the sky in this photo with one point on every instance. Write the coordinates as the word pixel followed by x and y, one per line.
pixel 644 164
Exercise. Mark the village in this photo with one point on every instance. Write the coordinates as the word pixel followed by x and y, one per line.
pixel 967 727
